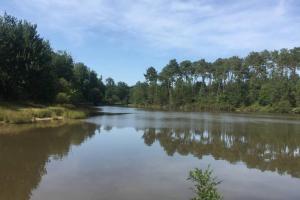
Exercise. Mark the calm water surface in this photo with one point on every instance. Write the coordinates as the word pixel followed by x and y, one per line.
pixel 132 154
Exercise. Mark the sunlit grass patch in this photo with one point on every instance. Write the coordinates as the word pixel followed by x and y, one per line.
pixel 73 114
pixel 15 114
pixel 15 117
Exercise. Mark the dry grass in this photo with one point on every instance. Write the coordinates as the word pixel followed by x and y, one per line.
pixel 18 114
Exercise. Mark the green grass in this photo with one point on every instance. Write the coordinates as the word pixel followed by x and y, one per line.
pixel 15 117
pixel 74 114
pixel 18 114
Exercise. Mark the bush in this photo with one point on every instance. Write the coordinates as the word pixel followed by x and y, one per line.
pixel 95 96
pixel 298 93
pixel 252 108
pixel 2 117
pixel 62 98
pixel 296 110
pixel 76 97
pixel 205 184
pixel 282 107
pixel 266 94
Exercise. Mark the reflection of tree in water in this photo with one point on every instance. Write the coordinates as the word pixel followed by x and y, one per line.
pixel 23 157
pixel 274 147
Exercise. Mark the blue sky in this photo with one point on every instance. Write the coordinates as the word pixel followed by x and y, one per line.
pixel 121 38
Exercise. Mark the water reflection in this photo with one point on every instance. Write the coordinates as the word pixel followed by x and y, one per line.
pixel 23 157
pixel 144 155
pixel 271 148
pixel 264 142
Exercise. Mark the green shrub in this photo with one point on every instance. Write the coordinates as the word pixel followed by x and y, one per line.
pixel 253 108
pixel 296 110
pixel 76 97
pixel 298 93
pixel 2 116
pixel 266 109
pixel 205 184
pixel 282 107
pixel 266 94
pixel 62 98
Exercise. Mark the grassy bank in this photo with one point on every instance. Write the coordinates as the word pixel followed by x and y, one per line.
pixel 255 108
pixel 16 113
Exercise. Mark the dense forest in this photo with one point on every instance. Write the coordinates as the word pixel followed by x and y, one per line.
pixel 30 70
pixel 262 81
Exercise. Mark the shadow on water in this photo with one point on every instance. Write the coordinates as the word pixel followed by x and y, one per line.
pixel 24 156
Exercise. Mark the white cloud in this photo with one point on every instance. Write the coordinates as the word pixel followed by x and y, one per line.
pixel 192 25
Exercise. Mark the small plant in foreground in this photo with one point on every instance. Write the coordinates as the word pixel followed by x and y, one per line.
pixel 205 184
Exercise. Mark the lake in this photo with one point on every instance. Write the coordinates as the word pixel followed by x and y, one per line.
pixel 133 154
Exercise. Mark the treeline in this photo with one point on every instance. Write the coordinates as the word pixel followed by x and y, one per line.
pixel 262 81
pixel 31 71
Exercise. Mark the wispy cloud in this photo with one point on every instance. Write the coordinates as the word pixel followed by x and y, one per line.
pixel 190 25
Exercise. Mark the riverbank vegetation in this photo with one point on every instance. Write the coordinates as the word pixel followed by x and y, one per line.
pixel 28 113
pixel 266 81
pixel 31 71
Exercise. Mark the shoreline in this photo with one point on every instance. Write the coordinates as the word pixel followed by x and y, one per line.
pixel 16 113
pixel 253 109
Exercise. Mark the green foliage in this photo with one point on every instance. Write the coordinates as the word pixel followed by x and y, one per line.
pixel 122 92
pixel 283 106
pixel 64 85
pixel 30 70
pixel 116 93
pixel 151 75
pixel 139 94
pixel 25 61
pixel 297 93
pixel 296 110
pixel 95 96
pixel 266 81
pixel 63 65
pixel 62 98
pixel 205 184
pixel 266 94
